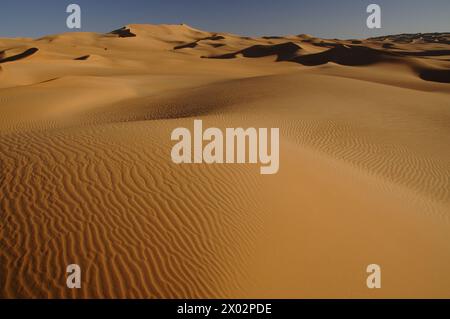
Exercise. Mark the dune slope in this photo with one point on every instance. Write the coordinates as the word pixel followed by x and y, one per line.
pixel 87 178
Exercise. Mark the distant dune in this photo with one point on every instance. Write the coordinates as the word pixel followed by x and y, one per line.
pixel 87 178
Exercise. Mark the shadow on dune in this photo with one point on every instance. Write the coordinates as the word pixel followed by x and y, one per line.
pixel 214 38
pixel 216 45
pixel 289 51
pixel 82 58
pixel 186 46
pixel 348 55
pixel 284 52
pixel 345 55
pixel 195 43
pixel 442 76
pixel 389 46
pixel 123 33
pixel 270 37
pixel 324 44
pixel 19 56
pixel 427 53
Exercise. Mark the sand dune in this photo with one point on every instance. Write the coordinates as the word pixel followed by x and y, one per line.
pixel 434 38
pixel 87 178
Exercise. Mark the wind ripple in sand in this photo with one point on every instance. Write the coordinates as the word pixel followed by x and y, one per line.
pixel 137 227
pixel 378 150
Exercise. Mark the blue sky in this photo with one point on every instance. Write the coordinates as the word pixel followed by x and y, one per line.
pixel 324 18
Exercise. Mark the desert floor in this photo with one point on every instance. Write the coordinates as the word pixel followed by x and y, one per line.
pixel 87 177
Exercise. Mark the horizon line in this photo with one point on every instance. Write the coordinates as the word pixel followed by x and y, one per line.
pixel 222 32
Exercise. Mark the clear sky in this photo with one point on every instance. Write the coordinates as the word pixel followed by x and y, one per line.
pixel 323 18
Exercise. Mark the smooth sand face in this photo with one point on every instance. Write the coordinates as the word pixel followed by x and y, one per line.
pixel 87 177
